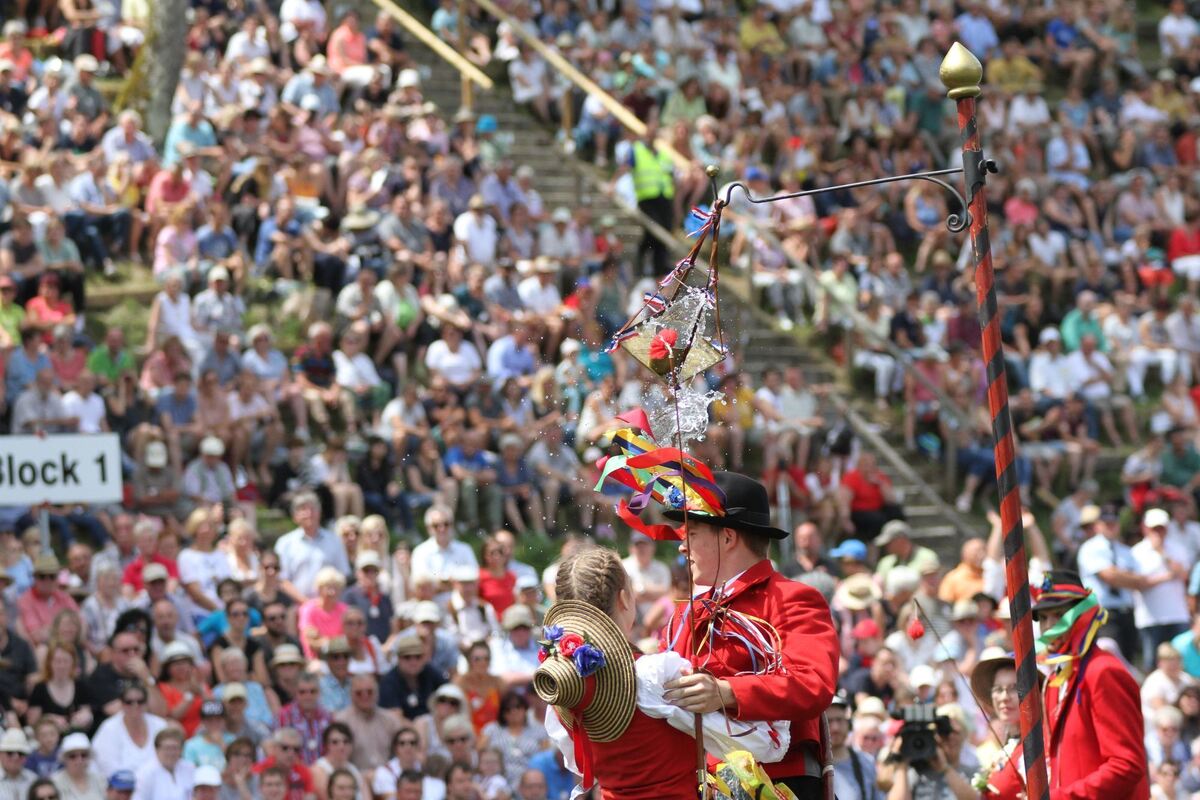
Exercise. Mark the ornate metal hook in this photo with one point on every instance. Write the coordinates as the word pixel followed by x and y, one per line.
pixel 956 222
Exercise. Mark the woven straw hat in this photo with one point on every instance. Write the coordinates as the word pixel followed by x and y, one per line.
pixel 559 683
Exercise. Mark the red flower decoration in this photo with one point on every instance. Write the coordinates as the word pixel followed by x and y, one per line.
pixel 663 341
pixel 541 656
pixel 569 643
pixel 915 629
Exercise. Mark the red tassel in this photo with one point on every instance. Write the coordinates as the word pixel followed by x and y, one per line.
pixel 916 629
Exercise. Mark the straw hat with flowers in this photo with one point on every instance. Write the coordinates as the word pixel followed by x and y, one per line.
pixel 587 670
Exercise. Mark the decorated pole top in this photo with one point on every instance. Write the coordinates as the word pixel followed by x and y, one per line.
pixel 961 72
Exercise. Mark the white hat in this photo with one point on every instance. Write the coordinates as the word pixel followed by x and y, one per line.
pixel 517 616
pixel 408 79
pixel 310 102
pixel 1156 518
pixel 218 273
pixel 86 63
pixel 208 775
pixel 561 214
pixel 1049 335
pixel 922 675
pixel 427 611
pixel 74 742
pixel 156 455
pixel 317 65
pixel 177 651
pixel 526 581
pixel 368 558
pixel 569 346
pixel 464 574
pixel 452 692
pixel 964 609
pixel 14 741
pixel 212 446
pixel 872 707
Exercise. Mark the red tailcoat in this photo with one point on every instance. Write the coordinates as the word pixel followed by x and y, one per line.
pixel 802 688
pixel 1095 747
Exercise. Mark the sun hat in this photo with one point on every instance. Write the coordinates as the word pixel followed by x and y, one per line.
pixel 338 645
pixel 1156 518
pixel 922 675
pixel 176 651
pixel 154 572
pixel 46 564
pixel 234 691
pixel 517 616
pixel 747 506
pixel 14 741
pixel 286 654
pixel 585 653
pixel 427 611
pixel 871 707
pixel 892 531
pixel 409 646
pixel 991 661
pixel 75 742
pixel 857 592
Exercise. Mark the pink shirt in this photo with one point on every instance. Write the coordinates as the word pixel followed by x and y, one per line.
pixel 346 48
pixel 326 623
pixel 37 613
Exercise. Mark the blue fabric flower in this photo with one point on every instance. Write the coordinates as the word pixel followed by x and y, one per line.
pixel 588 659
pixel 552 632
pixel 674 497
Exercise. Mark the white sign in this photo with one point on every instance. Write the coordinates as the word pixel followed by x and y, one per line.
pixel 60 469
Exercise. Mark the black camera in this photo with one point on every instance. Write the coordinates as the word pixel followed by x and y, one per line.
pixel 919 734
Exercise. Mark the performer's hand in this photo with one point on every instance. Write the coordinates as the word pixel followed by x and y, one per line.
pixel 698 693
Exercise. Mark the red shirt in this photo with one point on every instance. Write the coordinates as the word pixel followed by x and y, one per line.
pixel 650 761
pixel 133 573
pixel 865 495
pixel 497 591
pixel 300 780
pixel 1183 242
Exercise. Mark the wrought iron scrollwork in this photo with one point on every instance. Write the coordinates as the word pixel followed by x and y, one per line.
pixel 956 222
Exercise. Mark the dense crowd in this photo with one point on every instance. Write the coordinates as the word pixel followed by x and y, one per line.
pixel 450 389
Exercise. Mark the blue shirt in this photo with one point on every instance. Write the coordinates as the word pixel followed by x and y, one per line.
pixel 978 34
pixel 216 244
pixel 21 371
pixel 198 136
pixel 263 245
pixel 559 780
pixel 302 556
pixel 334 696
pixel 506 360
pixel 1185 643
pixel 482 459
pixel 181 412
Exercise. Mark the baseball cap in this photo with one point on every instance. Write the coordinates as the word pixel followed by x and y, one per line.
pixel 368 558
pixel 154 572
pixel 427 611
pixel 287 654
pixel 517 616
pixel 527 582
pixel 865 629
pixel 892 531
pixel 212 708
pixel 922 675
pixel 852 549
pixel 122 781
pixel 1156 518
pixel 336 646
pixel 75 742
pixel 234 691
pixel 965 609
pixel 156 455
pixel 409 646
pixel 212 446
pixel 208 775
pixel 872 707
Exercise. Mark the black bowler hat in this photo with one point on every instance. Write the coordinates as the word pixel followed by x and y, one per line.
pixel 747 507
pixel 1061 588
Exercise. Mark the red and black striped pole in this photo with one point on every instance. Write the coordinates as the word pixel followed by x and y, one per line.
pixel 962 73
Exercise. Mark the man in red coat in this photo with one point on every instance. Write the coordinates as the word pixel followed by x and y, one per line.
pixel 768 648
pixel 1093 705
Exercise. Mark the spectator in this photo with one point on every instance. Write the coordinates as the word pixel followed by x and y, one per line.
pixel 308 548
pixel 127 740
pixel 1160 610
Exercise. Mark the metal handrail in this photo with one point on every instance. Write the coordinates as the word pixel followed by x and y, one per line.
pixel 435 43
pixel 586 84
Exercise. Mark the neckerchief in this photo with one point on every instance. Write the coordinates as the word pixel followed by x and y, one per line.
pixel 1066 645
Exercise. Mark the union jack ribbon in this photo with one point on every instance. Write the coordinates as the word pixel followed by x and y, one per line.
pixel 620 336
pixel 710 299
pixel 677 274
pixel 702 216
pixel 654 301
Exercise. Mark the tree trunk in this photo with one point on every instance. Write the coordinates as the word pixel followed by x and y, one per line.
pixel 168 46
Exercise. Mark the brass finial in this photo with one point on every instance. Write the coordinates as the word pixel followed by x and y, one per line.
pixel 712 170
pixel 961 72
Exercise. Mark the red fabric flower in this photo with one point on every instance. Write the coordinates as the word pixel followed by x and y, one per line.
pixel 569 643
pixel 663 341
pixel 916 629
pixel 541 656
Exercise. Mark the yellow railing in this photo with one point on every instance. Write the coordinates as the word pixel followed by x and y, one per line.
pixel 471 74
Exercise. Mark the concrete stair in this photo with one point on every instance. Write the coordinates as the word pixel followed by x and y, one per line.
pixel 564 180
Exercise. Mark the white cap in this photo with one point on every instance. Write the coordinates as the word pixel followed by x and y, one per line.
pixel 156 455
pixel 408 78
pixel 1156 518
pixel 1049 335
pixel 177 651
pixel 922 675
pixel 207 775
pixel 212 446
pixel 427 611
pixel 368 558
pixel 218 273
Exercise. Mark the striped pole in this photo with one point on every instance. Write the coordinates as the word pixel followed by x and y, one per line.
pixel 962 73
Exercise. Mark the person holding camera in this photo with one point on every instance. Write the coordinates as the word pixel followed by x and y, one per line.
pixel 853 770
pixel 923 761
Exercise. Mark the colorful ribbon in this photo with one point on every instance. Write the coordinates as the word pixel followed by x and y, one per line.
pixel 1072 637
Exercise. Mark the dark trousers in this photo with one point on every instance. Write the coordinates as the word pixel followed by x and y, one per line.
pixel 1121 629
pixel 88 231
pixel 867 524
pixel 804 787
pixel 662 211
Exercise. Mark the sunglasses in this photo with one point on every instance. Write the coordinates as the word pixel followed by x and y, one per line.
pixel 439 525
pixel 407 742
pixel 139 701
pixel 451 700
pixel 339 656
pixel 274 618
pixel 80 755
pixel 270 567
pixel 236 614
pixel 458 739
